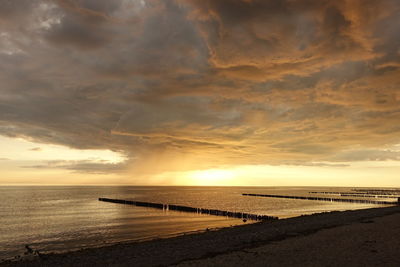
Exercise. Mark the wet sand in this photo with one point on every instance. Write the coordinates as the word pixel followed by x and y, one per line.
pixel 352 238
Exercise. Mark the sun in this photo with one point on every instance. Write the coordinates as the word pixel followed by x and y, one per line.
pixel 211 177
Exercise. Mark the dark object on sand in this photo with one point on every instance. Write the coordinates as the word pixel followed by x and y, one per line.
pixel 29 250
pixel 240 215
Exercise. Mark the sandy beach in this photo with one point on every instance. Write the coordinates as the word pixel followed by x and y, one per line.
pixel 369 242
pixel 357 238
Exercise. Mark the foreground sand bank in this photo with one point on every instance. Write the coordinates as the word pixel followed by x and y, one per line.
pixel 357 238
pixel 370 242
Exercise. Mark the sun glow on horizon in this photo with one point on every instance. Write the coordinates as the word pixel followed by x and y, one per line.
pixel 210 177
pixel 24 161
pixel 356 174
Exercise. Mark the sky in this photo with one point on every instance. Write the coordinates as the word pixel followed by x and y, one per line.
pixel 200 92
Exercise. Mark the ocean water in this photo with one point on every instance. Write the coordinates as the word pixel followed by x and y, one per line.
pixel 62 218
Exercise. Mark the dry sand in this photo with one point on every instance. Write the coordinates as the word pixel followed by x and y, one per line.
pixel 373 242
pixel 352 238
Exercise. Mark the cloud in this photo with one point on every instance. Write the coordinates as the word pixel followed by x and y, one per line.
pixel 81 166
pixel 199 84
pixel 36 149
pixel 264 40
pixel 367 155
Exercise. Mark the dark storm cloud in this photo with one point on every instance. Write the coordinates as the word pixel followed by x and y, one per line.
pixel 218 82
pixel 70 31
pixel 11 9
pixel 264 40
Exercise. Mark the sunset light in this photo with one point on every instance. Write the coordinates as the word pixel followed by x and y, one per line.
pixel 211 177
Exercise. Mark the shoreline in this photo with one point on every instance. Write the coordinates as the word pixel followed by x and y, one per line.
pixel 208 244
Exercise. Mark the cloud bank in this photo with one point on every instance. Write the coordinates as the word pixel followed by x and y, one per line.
pixel 176 84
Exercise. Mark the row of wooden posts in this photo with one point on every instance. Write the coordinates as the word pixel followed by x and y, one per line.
pixel 363 201
pixel 357 194
pixel 366 195
pixel 240 215
pixel 379 191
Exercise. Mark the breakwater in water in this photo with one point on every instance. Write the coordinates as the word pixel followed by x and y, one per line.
pixel 239 215
pixel 363 201
pixel 357 194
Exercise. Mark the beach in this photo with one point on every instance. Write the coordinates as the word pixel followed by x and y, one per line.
pixel 367 237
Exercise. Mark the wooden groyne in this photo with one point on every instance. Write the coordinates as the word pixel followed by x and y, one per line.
pixel 357 194
pixel 369 196
pixel 379 191
pixel 239 215
pixel 363 201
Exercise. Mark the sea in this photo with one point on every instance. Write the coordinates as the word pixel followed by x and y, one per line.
pixel 53 219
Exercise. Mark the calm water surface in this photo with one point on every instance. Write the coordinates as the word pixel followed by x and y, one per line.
pixel 59 218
